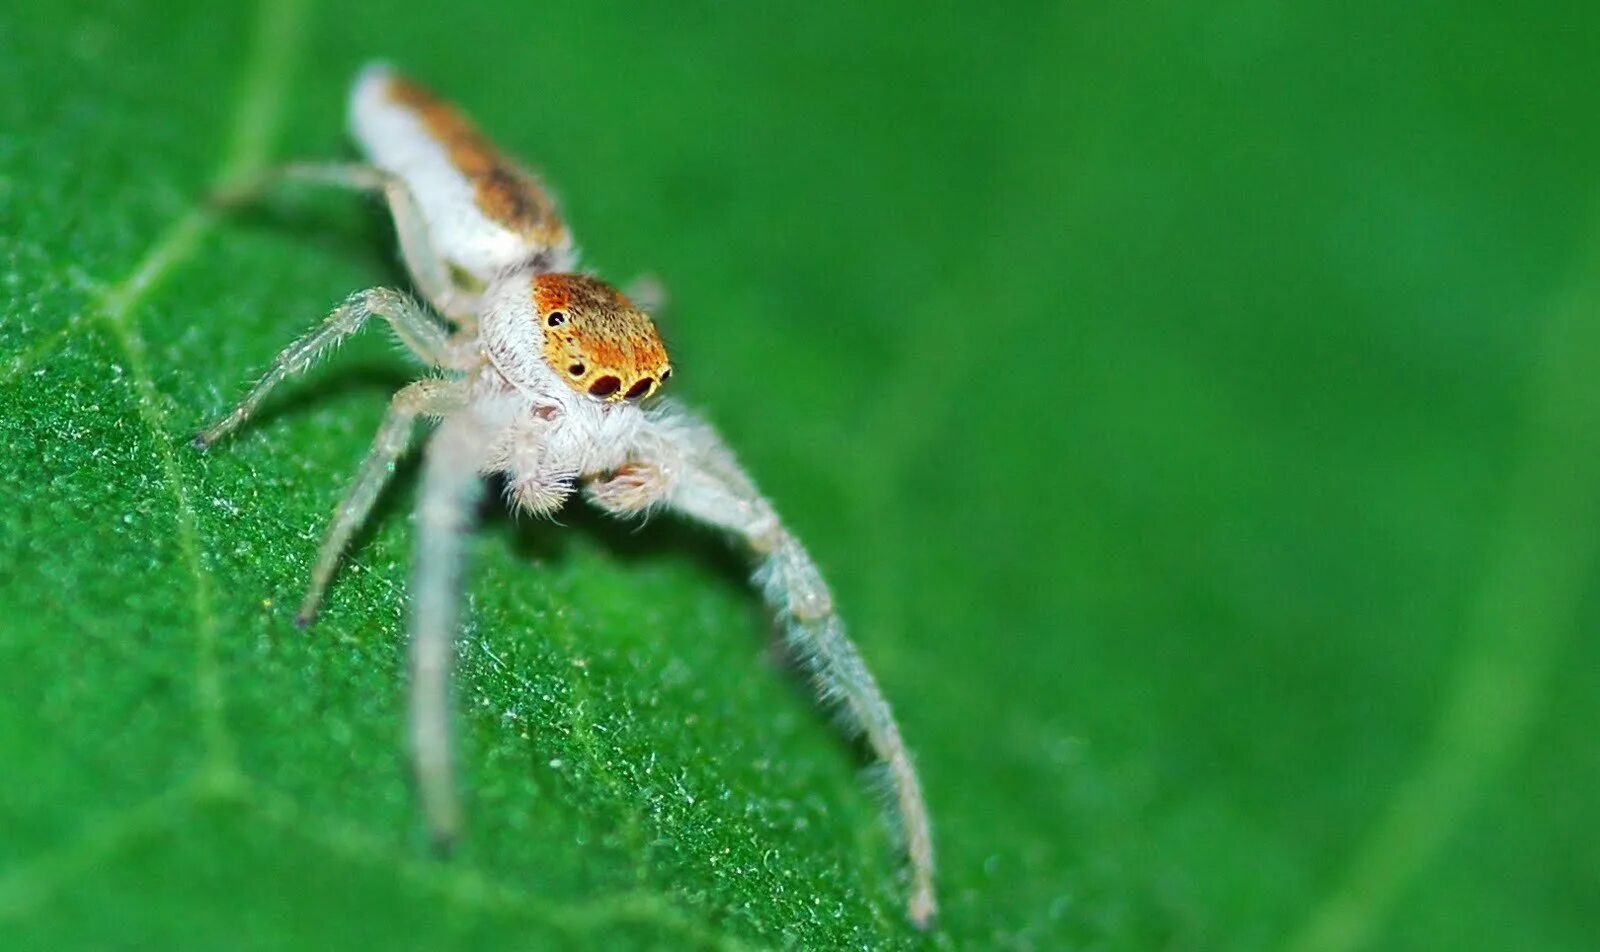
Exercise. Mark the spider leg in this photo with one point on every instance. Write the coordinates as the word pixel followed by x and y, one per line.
pixel 428 268
pixel 451 487
pixel 348 175
pixel 432 397
pixel 413 325
pixel 683 465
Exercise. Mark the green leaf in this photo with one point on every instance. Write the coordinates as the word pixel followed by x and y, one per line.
pixel 1195 408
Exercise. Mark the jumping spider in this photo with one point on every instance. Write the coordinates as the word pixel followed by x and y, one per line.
pixel 544 375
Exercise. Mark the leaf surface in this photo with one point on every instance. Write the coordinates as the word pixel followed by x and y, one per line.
pixel 1194 408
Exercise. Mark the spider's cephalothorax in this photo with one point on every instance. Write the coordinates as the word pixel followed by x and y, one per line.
pixel 537 374
pixel 597 340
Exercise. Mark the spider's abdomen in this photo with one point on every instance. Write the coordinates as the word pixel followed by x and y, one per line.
pixel 484 212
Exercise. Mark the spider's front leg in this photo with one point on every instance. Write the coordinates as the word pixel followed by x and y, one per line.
pixel 681 464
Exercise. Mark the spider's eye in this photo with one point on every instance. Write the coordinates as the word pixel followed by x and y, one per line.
pixel 639 389
pixel 605 386
pixel 666 374
pixel 556 318
pixel 576 370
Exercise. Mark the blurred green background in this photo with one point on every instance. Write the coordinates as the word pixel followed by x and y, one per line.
pixel 1195 407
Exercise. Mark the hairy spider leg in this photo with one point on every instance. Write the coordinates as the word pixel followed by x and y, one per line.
pixel 451 488
pixel 468 218
pixel 428 268
pixel 411 323
pixel 684 466
pixel 430 397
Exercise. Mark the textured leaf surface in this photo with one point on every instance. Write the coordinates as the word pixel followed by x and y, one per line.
pixel 1195 408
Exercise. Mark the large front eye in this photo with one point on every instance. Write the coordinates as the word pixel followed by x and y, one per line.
pixel 605 386
pixel 640 389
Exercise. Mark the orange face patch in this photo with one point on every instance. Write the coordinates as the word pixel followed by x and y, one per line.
pixel 597 340
pixel 505 192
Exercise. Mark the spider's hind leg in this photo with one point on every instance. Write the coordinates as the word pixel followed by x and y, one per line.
pixel 427 267
pixel 348 175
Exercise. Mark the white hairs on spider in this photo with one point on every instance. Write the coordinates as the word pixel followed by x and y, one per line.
pixel 547 377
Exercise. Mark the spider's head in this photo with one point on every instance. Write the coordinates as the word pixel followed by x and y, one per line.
pixel 596 340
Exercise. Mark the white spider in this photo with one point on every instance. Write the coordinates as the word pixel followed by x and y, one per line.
pixel 544 375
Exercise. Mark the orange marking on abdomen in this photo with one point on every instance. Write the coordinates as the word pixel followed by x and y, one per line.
pixel 505 192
